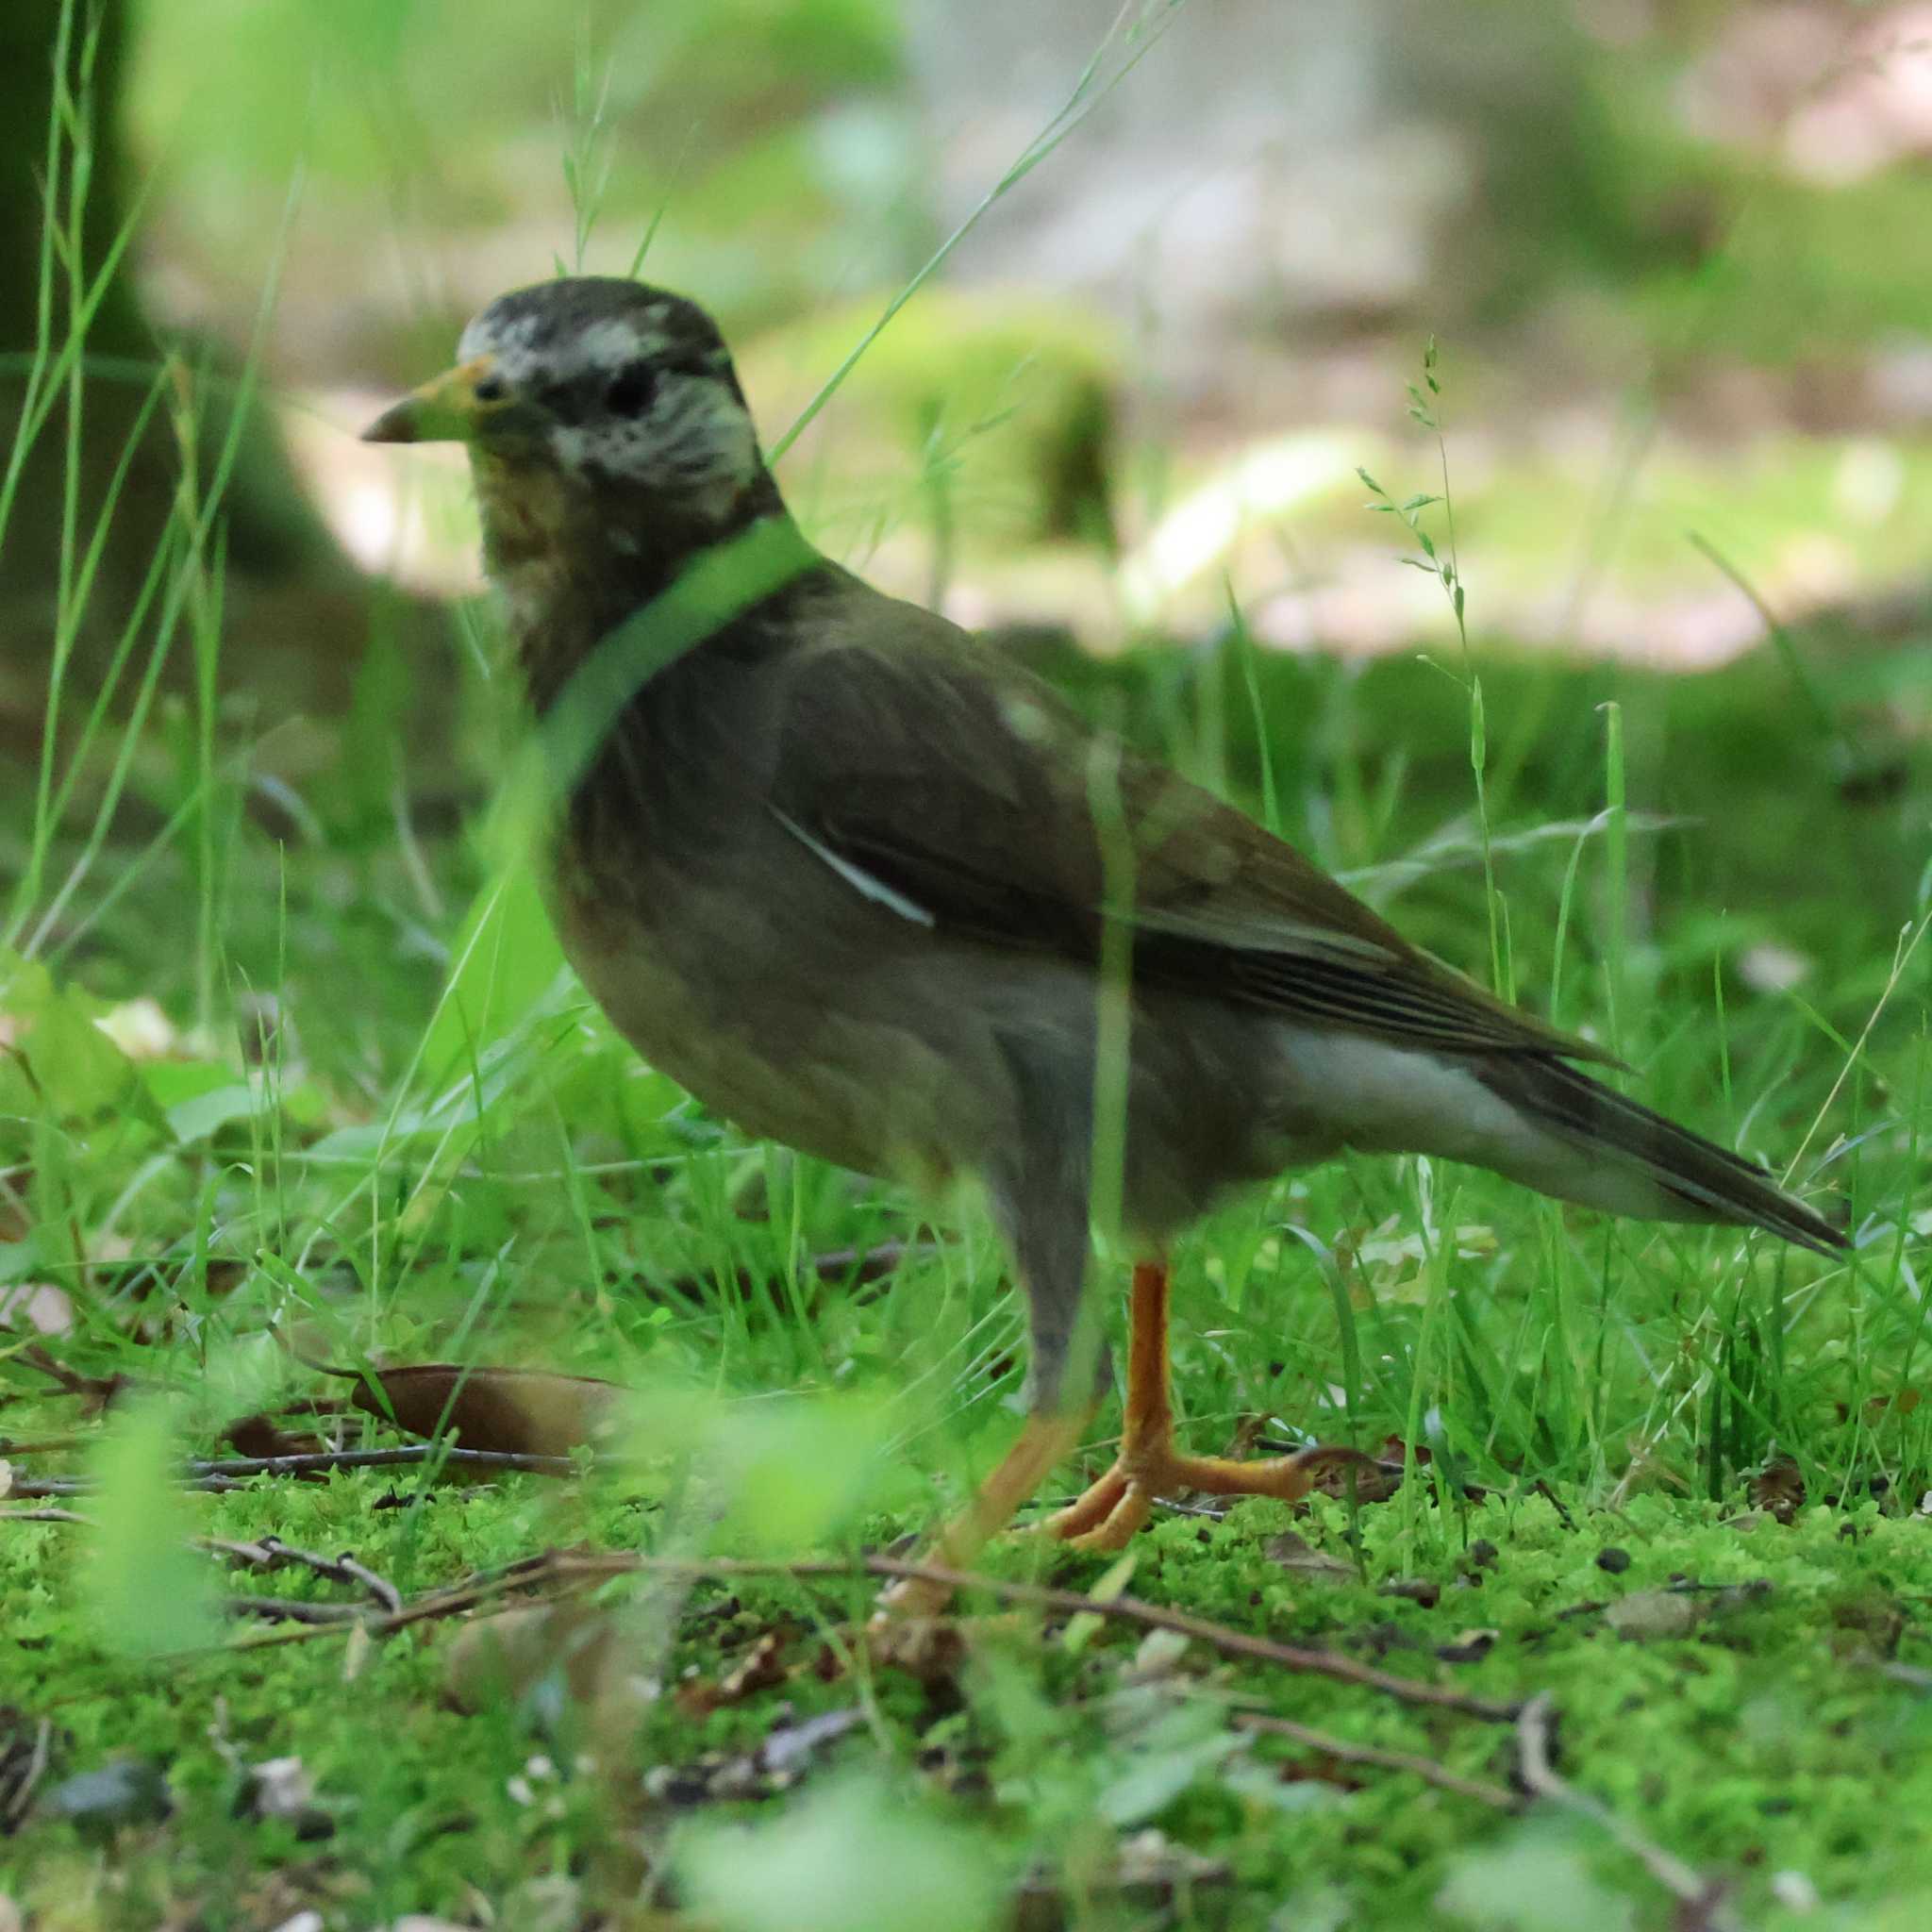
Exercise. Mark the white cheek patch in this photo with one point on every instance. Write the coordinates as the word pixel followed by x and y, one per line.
pixel 695 439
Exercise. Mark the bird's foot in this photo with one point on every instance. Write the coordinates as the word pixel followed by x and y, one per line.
pixel 1106 1515
pixel 1045 1441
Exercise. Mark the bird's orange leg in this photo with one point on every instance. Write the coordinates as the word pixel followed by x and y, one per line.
pixel 1045 1441
pixel 1149 1465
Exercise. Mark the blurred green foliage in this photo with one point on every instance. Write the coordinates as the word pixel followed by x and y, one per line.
pixel 762 123
pixel 497 1175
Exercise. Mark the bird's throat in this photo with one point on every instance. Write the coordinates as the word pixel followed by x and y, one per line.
pixel 574 557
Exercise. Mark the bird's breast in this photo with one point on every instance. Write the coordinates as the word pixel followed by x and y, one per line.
pixel 751 992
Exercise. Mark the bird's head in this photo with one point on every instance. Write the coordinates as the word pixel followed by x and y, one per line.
pixel 608 438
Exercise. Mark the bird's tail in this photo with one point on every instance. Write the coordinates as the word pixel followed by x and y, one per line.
pixel 1610 1152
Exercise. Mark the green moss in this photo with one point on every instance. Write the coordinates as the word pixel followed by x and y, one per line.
pixel 1748 1747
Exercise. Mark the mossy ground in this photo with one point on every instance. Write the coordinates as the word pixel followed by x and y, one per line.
pixel 307 1152
pixel 1770 1747
pixel 554 1205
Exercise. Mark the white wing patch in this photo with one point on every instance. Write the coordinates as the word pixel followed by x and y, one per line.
pixel 856 876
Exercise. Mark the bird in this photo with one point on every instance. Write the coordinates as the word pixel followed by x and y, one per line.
pixel 865 885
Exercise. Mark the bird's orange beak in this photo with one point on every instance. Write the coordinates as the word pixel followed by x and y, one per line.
pixel 445 410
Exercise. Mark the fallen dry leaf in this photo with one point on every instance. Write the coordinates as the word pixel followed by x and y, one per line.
pixel 1299 1559
pixel 502 1657
pixel 514 1411
pixel 1778 1489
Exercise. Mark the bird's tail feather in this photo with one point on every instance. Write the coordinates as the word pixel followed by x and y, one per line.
pixel 1695 1179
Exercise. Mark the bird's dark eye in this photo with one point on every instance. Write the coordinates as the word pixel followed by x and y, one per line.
pixel 631 388
pixel 493 388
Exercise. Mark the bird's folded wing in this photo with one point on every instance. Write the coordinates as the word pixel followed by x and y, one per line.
pixel 956 790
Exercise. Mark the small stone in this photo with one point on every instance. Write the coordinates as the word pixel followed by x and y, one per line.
pixel 1613 1559
pixel 1794 1892
pixel 1649 1614
pixel 124 1790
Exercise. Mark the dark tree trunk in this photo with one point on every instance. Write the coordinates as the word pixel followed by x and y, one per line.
pixel 296 611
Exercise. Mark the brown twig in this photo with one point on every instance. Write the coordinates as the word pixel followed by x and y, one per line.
pixel 1702 1896
pixel 272 1552
pixel 1549 1495
pixel 380 1587
pixel 291 1609
pixel 102 1388
pixel 45 1516
pixel 582 1570
pixel 222 1473
pixel 1340 1749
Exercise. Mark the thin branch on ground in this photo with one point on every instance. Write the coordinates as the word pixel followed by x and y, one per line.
pixel 1346 1752
pixel 289 1609
pixel 222 1473
pixel 380 1587
pixel 581 1572
pixel 272 1552
pixel 1702 1897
